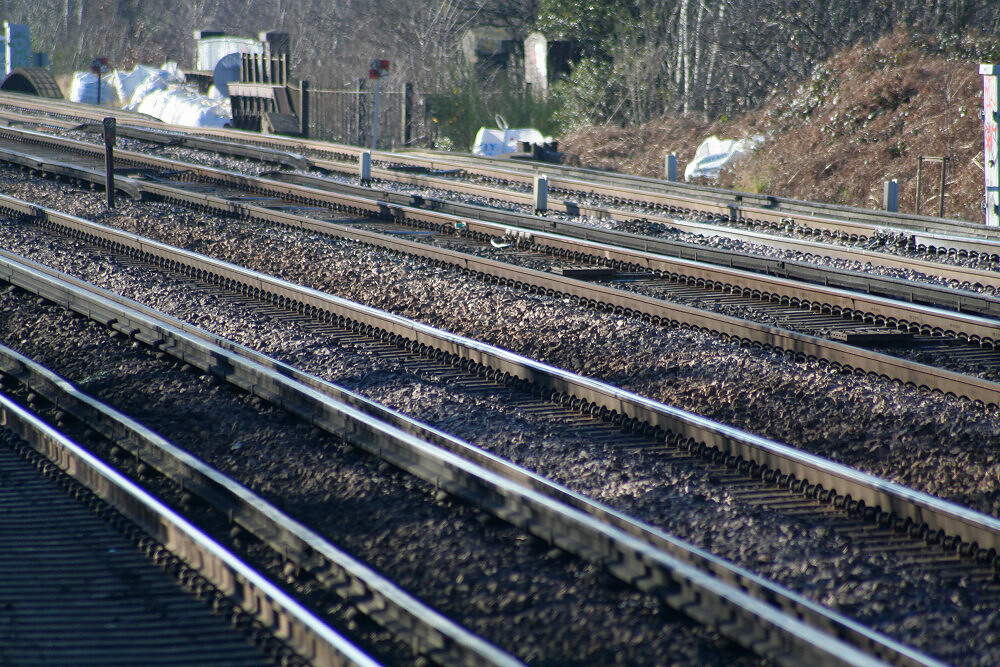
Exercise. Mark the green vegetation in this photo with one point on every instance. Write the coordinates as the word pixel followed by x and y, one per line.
pixel 470 104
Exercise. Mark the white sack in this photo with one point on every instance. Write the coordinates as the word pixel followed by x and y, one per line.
pixel 714 153
pixel 493 142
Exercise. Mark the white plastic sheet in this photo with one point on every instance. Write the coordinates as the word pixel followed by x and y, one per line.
pixel 713 154
pixel 493 142
pixel 181 106
pixel 126 83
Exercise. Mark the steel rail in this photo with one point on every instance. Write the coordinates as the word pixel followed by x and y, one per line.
pixel 752 622
pixel 959 242
pixel 622 249
pixel 919 239
pixel 610 243
pixel 928 515
pixel 387 604
pixel 67 170
pixel 261 153
pixel 255 595
pixel 623 186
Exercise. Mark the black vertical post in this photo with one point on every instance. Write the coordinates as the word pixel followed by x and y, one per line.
pixel 304 109
pixel 109 159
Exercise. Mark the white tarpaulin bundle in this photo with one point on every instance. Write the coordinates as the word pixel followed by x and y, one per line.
pixel 180 106
pixel 156 91
pixel 142 77
pixel 713 154
pixel 494 142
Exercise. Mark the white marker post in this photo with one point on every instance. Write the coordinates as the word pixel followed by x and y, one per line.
pixel 890 196
pixel 991 159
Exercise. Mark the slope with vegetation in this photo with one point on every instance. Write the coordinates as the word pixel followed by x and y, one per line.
pixel 863 117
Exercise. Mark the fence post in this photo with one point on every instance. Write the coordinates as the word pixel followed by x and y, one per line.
pixel 304 108
pixel 406 126
pixel 360 114
pixel 110 130
pixel 890 195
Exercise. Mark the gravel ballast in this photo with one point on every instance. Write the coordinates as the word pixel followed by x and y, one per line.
pixel 537 603
pixel 918 439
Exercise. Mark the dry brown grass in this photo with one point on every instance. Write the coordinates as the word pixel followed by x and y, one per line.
pixel 864 118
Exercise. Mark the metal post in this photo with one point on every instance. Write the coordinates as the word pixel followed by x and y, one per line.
pixel 890 196
pixel 920 166
pixel 541 193
pixel 944 167
pixel 406 126
pixel 991 151
pixel 670 167
pixel 375 116
pixel 365 166
pixel 109 159
pixel 360 113
pixel 304 109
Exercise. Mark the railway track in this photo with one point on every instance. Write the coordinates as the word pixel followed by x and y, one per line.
pixel 933 234
pixel 878 320
pixel 636 553
pixel 731 449
pixel 955 276
pixel 975 551
pixel 75 534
